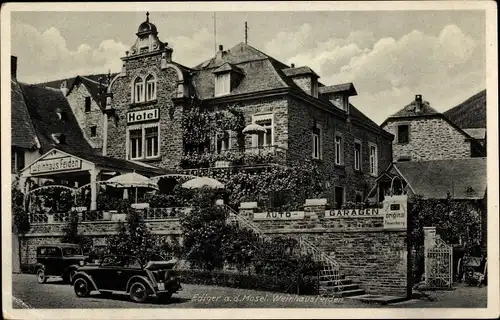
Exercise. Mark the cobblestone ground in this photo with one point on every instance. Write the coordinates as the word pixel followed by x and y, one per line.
pixel 27 293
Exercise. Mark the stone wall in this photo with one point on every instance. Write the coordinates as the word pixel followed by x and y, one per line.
pixel 76 99
pixel 369 253
pixel 277 107
pixel 171 145
pixel 373 256
pixel 429 139
pixel 301 121
pixel 51 233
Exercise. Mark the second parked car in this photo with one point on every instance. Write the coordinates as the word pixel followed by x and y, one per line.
pixel 58 260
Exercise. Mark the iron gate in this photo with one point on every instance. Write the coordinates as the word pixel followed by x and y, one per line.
pixel 439 265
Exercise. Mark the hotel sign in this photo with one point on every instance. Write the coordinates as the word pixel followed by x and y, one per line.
pixel 352 213
pixel 57 164
pixel 143 115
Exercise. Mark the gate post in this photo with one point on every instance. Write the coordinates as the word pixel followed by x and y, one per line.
pixel 429 242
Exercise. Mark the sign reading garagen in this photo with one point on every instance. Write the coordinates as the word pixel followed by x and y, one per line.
pixel 57 164
pixel 352 213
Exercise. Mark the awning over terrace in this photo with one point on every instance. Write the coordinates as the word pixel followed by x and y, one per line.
pixel 77 166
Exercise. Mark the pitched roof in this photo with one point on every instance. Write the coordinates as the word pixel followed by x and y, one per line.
pixel 110 162
pixel 227 67
pixel 462 178
pixel 56 84
pixel 95 89
pixel 22 128
pixel 411 110
pixel 476 133
pixel 290 72
pixel 349 87
pixel 471 113
pixel 240 53
pixel 262 72
pixel 357 114
pixel 42 104
pixel 260 75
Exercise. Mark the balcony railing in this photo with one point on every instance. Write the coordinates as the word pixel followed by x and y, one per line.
pixel 148 214
pixel 235 157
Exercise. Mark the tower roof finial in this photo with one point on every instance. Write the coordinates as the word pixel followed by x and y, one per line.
pixel 147 16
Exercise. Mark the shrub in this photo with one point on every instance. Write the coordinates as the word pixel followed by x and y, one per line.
pixel 304 285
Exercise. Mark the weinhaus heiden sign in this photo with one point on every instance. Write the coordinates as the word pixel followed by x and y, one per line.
pixel 143 115
pixel 57 164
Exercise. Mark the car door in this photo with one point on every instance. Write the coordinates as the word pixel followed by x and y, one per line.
pixel 131 267
pixel 53 261
pixel 107 275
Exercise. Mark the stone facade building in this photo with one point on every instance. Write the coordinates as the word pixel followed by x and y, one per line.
pixel 86 96
pixel 300 118
pixel 422 133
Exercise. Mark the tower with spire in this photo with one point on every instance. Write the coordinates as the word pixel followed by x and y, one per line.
pixel 147 42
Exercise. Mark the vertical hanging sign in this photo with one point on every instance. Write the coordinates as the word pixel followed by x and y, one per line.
pixel 395 212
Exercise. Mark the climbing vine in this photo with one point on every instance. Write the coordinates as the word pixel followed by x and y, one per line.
pixel 201 124
pixel 284 187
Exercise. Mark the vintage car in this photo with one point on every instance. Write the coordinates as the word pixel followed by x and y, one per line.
pixel 58 260
pixel 127 274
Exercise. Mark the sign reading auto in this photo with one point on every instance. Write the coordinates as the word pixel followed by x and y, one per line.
pixel 58 164
pixel 143 115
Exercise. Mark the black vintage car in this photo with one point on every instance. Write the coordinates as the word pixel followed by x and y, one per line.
pixel 127 274
pixel 58 260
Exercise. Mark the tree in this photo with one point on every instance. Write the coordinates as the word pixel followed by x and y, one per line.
pixel 456 220
pixel 20 219
pixel 203 231
pixel 133 238
pixel 71 234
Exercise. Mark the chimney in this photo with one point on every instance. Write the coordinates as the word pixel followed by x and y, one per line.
pixel 418 103
pixel 13 67
pixel 220 53
pixel 64 87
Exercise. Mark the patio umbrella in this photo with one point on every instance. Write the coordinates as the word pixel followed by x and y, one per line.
pixel 254 129
pixel 132 179
pixel 201 182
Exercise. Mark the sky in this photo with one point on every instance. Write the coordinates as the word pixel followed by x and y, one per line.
pixel 390 56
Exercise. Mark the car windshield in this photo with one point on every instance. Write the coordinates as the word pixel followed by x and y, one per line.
pixel 72 251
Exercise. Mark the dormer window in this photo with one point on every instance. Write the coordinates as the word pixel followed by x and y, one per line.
pixel 150 88
pixel 138 93
pixel 62 115
pixel 59 138
pixel 227 77
pixel 222 84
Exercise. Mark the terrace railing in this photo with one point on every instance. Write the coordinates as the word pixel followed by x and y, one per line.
pixel 252 156
pixel 149 214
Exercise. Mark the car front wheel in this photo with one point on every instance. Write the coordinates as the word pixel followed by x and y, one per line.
pixel 138 292
pixel 82 288
pixel 40 276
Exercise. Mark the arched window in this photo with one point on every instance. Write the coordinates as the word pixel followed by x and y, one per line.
pixel 150 88
pixel 138 88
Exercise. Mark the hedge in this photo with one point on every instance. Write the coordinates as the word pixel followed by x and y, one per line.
pixel 308 285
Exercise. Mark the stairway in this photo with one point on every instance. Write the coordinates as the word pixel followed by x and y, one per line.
pixel 331 281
